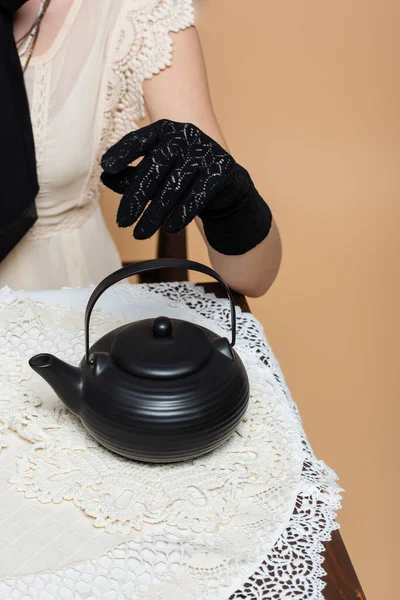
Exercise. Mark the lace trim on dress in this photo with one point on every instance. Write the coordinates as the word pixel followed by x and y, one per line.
pixel 40 111
pixel 142 47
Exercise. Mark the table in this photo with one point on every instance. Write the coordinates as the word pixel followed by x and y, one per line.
pixel 291 559
pixel 341 579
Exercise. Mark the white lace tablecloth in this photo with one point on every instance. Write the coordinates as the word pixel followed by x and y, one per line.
pixel 79 523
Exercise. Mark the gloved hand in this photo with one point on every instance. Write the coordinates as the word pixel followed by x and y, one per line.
pixel 184 174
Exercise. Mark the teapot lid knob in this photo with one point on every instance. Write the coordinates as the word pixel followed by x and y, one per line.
pixel 162 327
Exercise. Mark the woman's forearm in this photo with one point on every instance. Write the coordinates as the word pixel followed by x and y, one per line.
pixel 253 273
pixel 181 93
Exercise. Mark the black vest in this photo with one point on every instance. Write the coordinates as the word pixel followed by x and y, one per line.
pixel 18 179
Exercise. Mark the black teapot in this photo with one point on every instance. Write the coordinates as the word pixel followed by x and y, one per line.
pixel 157 390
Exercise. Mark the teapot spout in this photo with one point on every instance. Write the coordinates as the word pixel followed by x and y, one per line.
pixel 66 381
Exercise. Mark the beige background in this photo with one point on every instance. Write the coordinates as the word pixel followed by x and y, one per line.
pixel 307 95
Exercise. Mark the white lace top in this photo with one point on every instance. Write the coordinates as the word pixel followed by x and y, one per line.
pixel 86 91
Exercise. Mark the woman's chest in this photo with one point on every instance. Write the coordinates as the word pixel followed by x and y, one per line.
pixel 66 89
pixel 65 83
pixel 66 121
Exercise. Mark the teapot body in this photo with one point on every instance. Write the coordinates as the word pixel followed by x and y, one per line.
pixel 162 420
pixel 162 390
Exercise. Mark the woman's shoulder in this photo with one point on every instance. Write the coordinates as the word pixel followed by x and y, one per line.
pixel 144 26
pixel 140 47
pixel 159 11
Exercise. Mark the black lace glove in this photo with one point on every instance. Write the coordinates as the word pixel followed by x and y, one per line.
pixel 184 174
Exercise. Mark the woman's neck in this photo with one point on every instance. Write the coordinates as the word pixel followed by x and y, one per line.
pixel 53 21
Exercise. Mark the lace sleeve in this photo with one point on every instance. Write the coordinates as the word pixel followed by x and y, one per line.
pixel 142 47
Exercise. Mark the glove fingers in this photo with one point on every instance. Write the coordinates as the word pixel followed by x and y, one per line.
pixel 163 203
pixel 149 176
pixel 189 208
pixel 129 148
pixel 119 182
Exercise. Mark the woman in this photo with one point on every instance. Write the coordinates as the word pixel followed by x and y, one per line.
pixel 94 67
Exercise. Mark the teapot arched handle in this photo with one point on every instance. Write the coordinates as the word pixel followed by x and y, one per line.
pixel 154 265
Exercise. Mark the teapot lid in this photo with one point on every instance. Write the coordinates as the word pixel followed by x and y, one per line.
pixel 162 348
